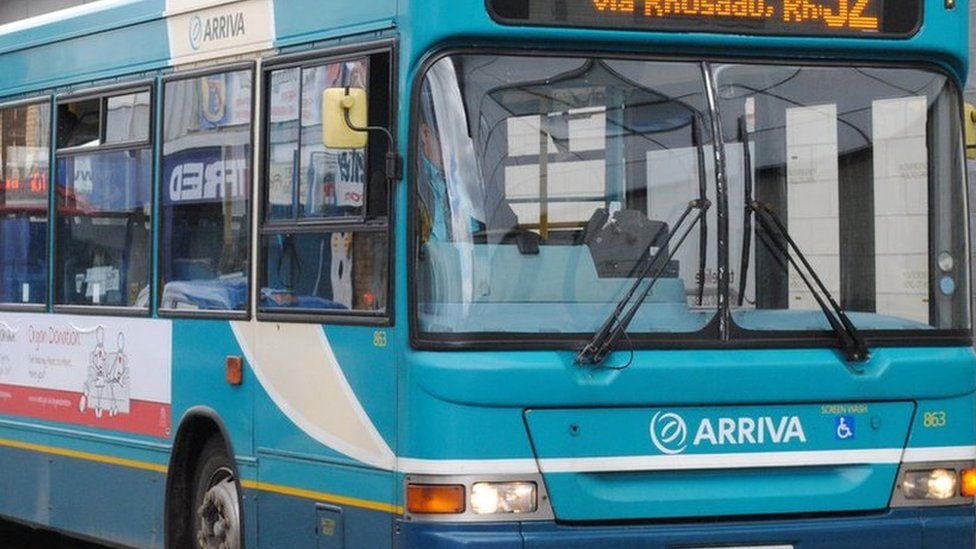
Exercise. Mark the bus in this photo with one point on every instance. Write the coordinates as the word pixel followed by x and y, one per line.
pixel 488 273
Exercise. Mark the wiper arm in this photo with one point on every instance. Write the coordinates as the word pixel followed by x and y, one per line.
pixel 616 324
pixel 747 219
pixel 852 342
pixel 702 190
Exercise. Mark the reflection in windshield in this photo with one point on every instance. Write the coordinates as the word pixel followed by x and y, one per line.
pixel 869 182
pixel 541 181
pixel 539 193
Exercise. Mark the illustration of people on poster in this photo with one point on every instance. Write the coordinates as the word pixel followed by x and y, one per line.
pixel 107 387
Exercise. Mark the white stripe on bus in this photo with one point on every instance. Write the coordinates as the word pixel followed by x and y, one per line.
pixel 940 453
pixel 882 456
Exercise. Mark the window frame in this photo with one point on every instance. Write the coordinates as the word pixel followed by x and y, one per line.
pixel 49 100
pixel 355 224
pixel 102 93
pixel 709 337
pixel 295 222
pixel 226 314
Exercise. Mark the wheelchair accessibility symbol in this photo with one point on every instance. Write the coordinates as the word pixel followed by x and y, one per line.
pixel 844 427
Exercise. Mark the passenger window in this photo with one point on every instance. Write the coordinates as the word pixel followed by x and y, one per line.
pixel 24 153
pixel 79 123
pixel 206 206
pixel 127 118
pixel 325 236
pixel 104 206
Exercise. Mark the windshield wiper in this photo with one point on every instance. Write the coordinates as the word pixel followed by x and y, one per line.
pixel 852 342
pixel 747 217
pixel 616 324
pixel 699 141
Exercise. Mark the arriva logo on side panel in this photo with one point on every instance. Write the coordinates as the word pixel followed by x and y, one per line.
pixel 669 431
pixel 203 30
pixel 196 32
pixel 216 28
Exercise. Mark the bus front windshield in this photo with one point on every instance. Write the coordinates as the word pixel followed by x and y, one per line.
pixel 544 185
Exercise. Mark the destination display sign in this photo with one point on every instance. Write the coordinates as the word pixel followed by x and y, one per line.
pixel 868 18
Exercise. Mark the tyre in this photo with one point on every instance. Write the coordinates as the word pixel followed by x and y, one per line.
pixel 216 510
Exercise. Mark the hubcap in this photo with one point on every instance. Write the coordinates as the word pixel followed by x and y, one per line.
pixel 218 517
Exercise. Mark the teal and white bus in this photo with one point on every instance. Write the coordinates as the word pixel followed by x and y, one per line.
pixel 488 273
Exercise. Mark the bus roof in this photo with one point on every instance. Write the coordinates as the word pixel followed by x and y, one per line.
pixel 110 38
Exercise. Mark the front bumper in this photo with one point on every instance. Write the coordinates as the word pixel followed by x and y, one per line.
pixel 927 528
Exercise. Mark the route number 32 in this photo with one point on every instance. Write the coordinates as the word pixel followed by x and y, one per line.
pixel 934 419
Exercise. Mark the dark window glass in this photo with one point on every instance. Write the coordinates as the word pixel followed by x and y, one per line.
pixel 306 179
pixel 340 271
pixel 24 153
pixel 79 123
pixel 103 241
pixel 206 174
pixel 127 118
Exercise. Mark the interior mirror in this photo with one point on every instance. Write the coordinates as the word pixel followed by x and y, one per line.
pixel 336 132
pixel 970 129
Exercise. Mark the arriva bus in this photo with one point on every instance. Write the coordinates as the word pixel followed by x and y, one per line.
pixel 503 273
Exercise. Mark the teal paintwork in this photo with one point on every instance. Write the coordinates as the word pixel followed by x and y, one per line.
pixel 199 351
pixel 692 377
pixel 724 492
pixel 943 422
pixel 471 405
pixel 609 432
pixel 370 370
pixel 734 488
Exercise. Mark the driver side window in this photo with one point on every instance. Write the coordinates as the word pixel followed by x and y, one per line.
pixel 324 236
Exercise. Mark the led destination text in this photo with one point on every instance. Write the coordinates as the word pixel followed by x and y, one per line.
pixel 854 15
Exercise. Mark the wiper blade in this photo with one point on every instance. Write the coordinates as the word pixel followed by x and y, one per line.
pixel 852 342
pixel 747 217
pixel 616 324
pixel 699 141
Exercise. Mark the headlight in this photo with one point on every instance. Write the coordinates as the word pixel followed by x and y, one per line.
pixel 932 484
pixel 489 498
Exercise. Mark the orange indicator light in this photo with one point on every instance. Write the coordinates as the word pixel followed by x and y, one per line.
pixel 235 370
pixel 967 487
pixel 435 499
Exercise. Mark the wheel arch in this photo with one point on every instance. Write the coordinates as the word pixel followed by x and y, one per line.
pixel 197 425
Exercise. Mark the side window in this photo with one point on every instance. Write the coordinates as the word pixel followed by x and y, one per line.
pixel 206 169
pixel 25 135
pixel 104 207
pixel 324 236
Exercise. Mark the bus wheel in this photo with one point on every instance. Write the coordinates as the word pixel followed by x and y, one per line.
pixel 216 502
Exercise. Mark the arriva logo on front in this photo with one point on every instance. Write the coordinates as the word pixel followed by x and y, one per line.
pixel 669 431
